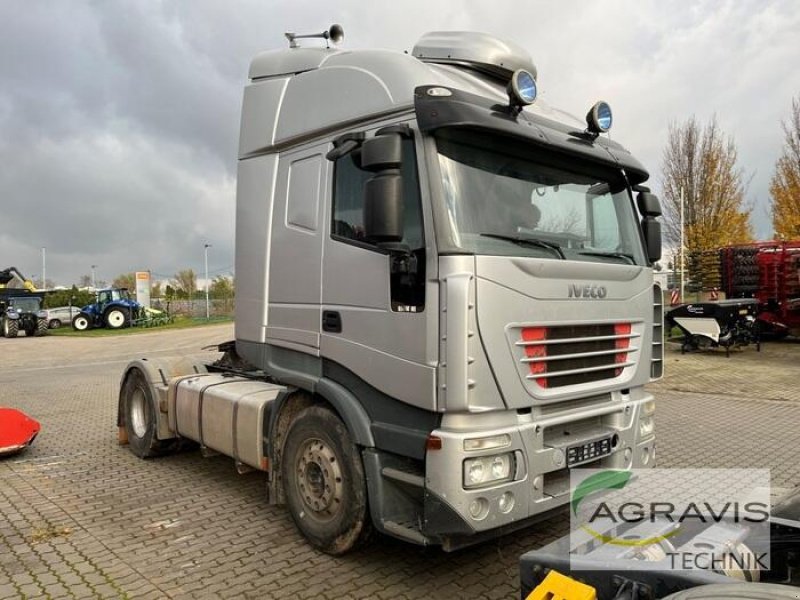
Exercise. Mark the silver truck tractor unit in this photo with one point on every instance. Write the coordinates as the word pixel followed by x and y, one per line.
pixel 444 299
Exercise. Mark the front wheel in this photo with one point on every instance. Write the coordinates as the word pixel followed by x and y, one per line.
pixel 323 478
pixel 116 318
pixel 82 322
pixel 55 323
pixel 10 328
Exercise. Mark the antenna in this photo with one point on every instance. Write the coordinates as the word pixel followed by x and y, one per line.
pixel 335 34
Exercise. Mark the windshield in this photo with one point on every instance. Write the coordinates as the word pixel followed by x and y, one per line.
pixel 503 200
pixel 27 304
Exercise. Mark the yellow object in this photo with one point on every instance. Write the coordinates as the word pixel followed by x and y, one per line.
pixel 560 587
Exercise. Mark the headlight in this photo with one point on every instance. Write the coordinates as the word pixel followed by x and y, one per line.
pixel 486 470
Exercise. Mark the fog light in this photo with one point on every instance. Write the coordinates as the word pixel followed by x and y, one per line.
pixel 479 508
pixel 506 502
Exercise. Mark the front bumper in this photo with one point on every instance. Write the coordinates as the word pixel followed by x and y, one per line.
pixel 539 443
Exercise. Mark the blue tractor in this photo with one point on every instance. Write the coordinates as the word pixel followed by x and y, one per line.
pixel 114 309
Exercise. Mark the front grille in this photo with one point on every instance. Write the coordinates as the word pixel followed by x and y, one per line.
pixel 561 355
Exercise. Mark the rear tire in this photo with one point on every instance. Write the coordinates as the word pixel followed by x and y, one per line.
pixel 10 328
pixel 41 327
pixel 117 318
pixel 140 417
pixel 324 482
pixel 55 323
pixel 82 322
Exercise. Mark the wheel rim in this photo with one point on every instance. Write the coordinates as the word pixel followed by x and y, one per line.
pixel 138 412
pixel 81 323
pixel 319 479
pixel 116 318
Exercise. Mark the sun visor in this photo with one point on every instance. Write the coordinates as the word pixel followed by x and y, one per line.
pixel 438 107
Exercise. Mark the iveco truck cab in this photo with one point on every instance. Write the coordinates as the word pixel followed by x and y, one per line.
pixel 444 297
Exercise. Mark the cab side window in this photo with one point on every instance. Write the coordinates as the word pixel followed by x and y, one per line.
pixel 348 199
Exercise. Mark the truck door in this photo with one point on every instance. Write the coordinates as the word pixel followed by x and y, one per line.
pixel 295 260
pixel 375 318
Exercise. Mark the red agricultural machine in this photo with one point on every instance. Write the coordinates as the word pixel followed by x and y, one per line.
pixel 770 273
pixel 17 431
pixel 767 272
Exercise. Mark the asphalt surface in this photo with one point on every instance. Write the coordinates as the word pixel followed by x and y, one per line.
pixel 81 517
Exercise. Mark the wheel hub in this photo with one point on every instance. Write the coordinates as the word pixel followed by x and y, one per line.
pixel 319 479
pixel 137 413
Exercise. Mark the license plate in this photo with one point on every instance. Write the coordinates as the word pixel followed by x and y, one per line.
pixel 588 452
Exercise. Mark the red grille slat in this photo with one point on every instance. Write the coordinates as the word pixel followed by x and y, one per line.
pixel 580 353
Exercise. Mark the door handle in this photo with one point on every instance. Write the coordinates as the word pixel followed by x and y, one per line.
pixel 331 321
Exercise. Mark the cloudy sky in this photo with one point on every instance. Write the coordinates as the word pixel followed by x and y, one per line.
pixel 119 118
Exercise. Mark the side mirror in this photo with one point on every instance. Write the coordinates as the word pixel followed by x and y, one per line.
pixel 648 204
pixel 652 238
pixel 383 193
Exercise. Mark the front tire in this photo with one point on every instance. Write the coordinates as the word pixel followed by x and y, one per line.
pixel 82 322
pixel 55 323
pixel 10 328
pixel 140 417
pixel 324 482
pixel 117 318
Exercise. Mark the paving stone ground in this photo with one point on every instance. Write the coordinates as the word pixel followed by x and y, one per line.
pixel 81 517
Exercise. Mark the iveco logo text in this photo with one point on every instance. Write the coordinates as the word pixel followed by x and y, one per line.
pixel 587 291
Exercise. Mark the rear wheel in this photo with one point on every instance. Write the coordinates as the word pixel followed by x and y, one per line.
pixel 82 322
pixel 116 318
pixel 10 328
pixel 324 481
pixel 41 327
pixel 55 323
pixel 140 417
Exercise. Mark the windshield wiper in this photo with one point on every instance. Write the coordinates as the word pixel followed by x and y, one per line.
pixel 525 241
pixel 628 257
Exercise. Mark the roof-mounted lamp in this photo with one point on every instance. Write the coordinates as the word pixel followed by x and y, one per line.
pixel 599 118
pixel 521 89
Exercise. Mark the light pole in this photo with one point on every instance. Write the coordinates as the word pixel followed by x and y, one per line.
pixel 683 247
pixel 206 247
pixel 94 285
pixel 44 269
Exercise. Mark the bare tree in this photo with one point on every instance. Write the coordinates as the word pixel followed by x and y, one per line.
pixel 85 281
pixel 700 162
pixel 785 185
pixel 185 283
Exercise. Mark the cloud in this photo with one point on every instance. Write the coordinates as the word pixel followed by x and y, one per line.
pixel 119 120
